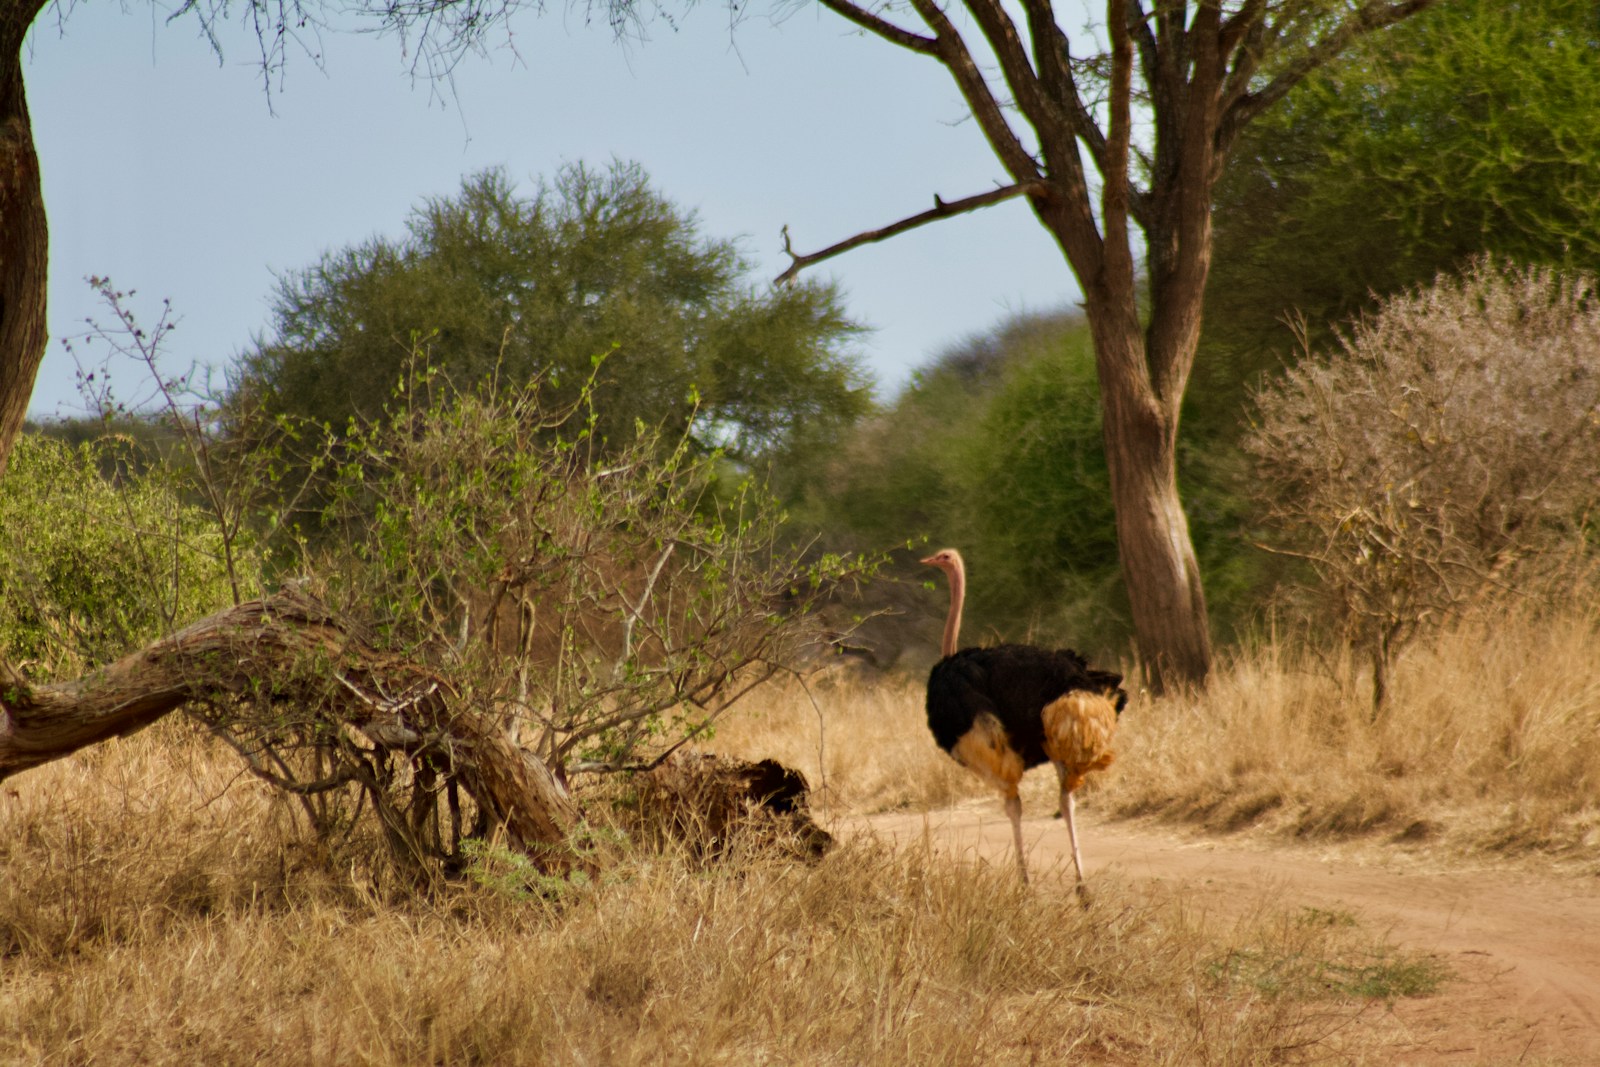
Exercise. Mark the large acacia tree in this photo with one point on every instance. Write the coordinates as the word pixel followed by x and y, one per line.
pixel 1061 123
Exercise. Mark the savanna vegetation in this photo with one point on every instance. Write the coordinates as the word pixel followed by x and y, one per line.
pixel 160 908
pixel 398 632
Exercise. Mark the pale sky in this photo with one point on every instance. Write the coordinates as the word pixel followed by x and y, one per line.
pixel 169 172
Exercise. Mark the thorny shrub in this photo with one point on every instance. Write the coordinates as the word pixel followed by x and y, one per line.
pixel 596 600
pixel 479 553
pixel 1445 454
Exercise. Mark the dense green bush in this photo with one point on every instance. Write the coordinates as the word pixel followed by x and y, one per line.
pixel 1468 130
pixel 93 565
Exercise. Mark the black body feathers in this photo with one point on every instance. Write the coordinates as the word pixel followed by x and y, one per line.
pixel 1013 683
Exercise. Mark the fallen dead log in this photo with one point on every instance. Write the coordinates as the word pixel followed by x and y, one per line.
pixel 289 650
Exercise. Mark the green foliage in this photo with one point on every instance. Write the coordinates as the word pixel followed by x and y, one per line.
pixel 508 873
pixel 995 448
pixel 141 440
pixel 91 565
pixel 599 608
pixel 1036 495
pixel 494 286
pixel 1467 130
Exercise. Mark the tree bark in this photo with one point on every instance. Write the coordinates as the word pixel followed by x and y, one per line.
pixel 24 233
pixel 291 647
pixel 1157 555
pixel 1143 373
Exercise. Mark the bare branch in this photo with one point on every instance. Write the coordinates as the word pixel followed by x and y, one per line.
pixel 957 59
pixel 344 774
pixel 941 209
pixel 1001 33
pixel 1144 36
pixel 605 767
pixel 883 27
pixel 1053 53
pixel 635 610
pixel 1246 47
pixel 1238 26
pixel 1114 192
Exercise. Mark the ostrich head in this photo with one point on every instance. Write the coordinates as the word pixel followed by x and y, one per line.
pixel 946 559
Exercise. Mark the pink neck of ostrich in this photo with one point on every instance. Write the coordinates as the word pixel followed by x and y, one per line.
pixel 958 592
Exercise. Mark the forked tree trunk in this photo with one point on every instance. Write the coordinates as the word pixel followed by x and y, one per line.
pixel 288 646
pixel 1156 553
pixel 24 235
pixel 1143 371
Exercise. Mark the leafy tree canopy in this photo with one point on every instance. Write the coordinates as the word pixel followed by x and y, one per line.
pixel 493 285
pixel 1465 131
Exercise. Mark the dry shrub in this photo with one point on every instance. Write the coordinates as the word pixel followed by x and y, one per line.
pixel 713 804
pixel 1489 742
pixel 1446 452
pixel 868 956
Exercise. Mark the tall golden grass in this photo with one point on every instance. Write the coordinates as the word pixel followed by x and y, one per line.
pixel 1490 744
pixel 157 906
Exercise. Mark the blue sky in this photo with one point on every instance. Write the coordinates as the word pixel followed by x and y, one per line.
pixel 171 173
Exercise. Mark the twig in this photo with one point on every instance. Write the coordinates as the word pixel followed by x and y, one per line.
pixel 636 610
pixel 339 777
pixel 603 767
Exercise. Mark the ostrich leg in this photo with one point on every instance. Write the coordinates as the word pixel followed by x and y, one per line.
pixel 1014 813
pixel 1068 808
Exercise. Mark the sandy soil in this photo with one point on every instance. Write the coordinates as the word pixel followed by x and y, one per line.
pixel 1524 947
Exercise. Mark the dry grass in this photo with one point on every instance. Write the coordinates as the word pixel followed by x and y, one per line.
pixel 1488 746
pixel 862 742
pixel 157 908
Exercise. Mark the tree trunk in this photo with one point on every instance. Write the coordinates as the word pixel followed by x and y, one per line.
pixel 1142 379
pixel 24 235
pixel 290 647
pixel 1158 561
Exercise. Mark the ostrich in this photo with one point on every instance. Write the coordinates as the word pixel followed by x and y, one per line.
pixel 999 711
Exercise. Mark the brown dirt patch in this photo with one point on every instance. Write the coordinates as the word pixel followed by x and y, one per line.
pixel 1523 946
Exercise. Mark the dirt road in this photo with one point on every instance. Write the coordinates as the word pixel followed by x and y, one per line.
pixel 1524 948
